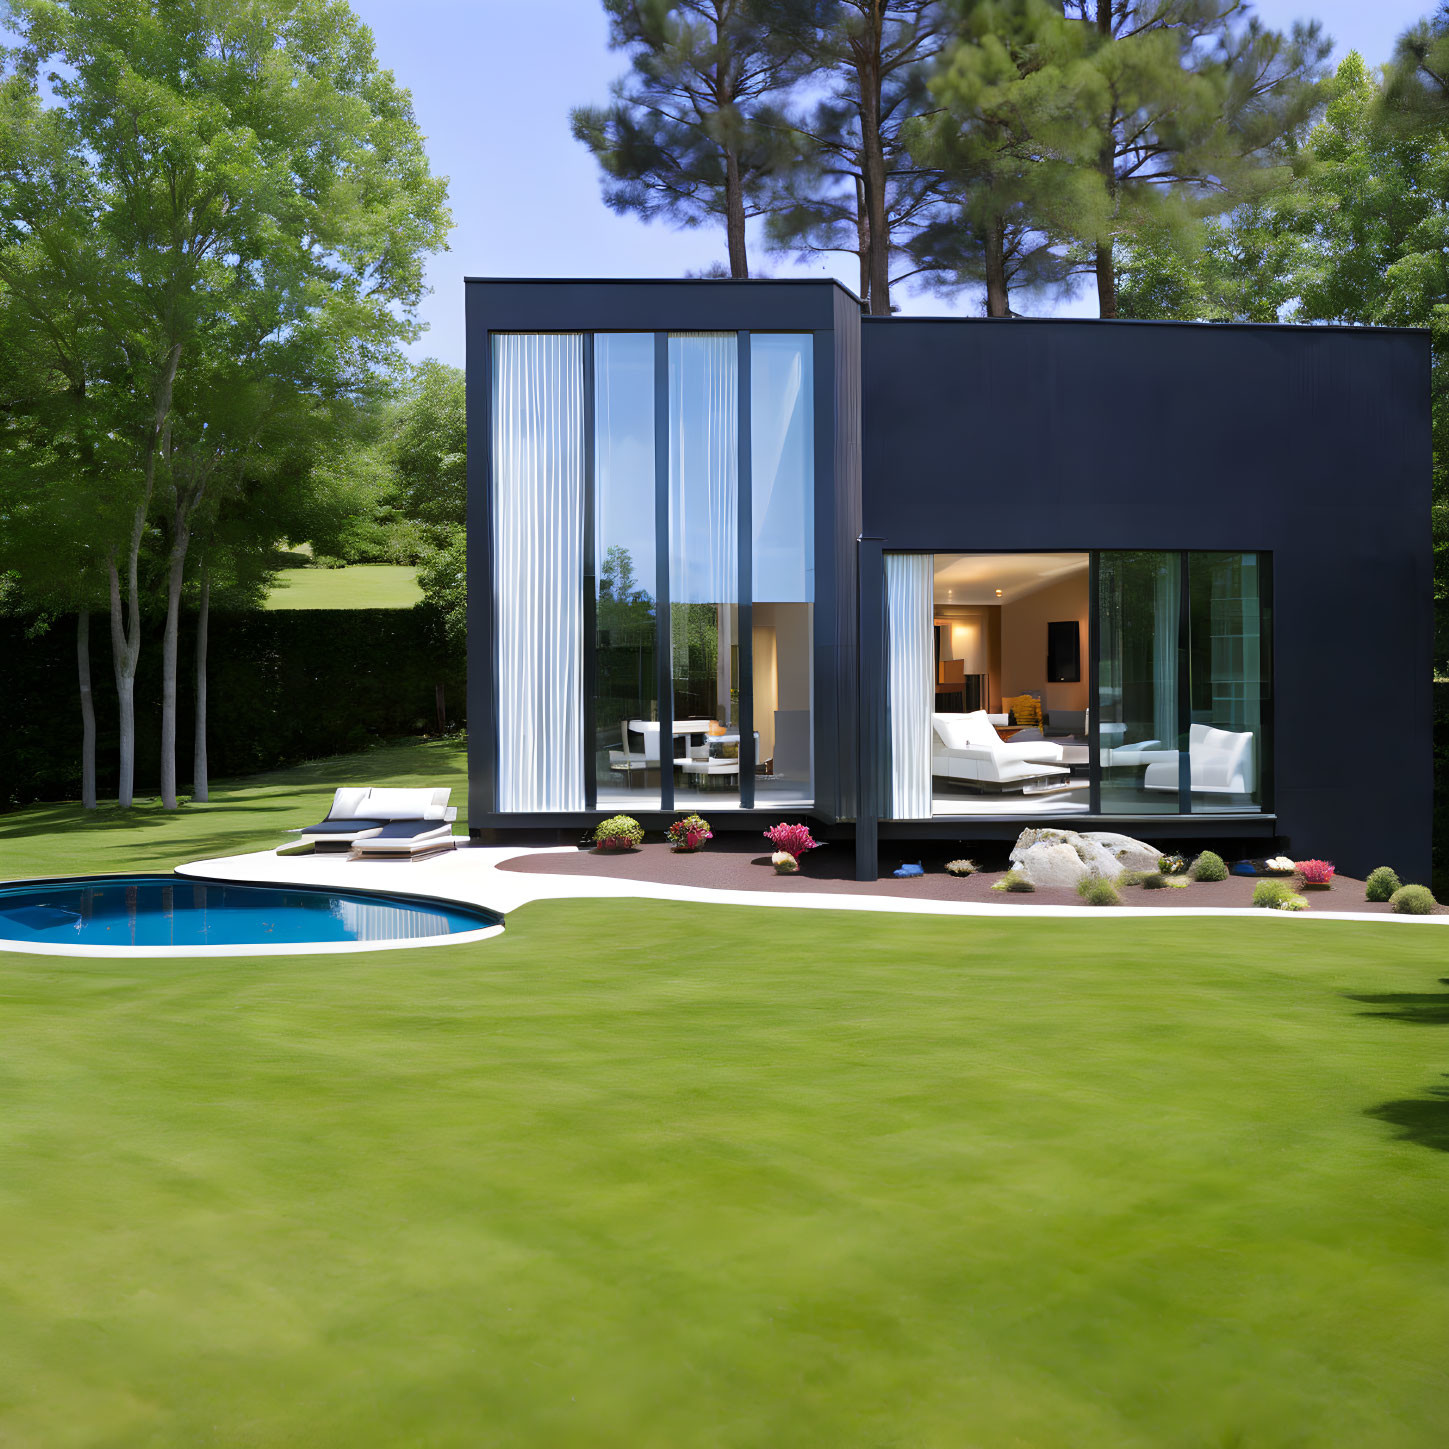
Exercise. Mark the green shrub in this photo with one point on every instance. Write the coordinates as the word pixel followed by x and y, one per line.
pixel 618 832
pixel 1209 866
pixel 1413 900
pixel 961 867
pixel 1097 890
pixel 1154 881
pixel 1012 881
pixel 1133 877
pixel 1381 884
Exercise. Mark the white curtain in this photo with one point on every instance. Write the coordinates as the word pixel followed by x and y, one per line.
pixel 910 681
pixel 538 527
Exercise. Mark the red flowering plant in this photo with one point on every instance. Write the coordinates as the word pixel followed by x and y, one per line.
pixel 689 833
pixel 792 839
pixel 1315 872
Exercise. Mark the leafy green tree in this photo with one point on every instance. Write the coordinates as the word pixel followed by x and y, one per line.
pixel 219 177
pixel 693 128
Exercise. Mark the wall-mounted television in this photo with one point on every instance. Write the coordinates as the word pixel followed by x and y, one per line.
pixel 1064 652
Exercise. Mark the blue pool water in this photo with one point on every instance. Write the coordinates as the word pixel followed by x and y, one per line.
pixel 150 910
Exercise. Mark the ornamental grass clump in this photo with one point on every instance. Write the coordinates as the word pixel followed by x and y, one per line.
pixel 618 832
pixel 1381 884
pixel 1209 866
pixel 689 833
pixel 1014 881
pixel 794 840
pixel 1413 900
pixel 1097 890
pixel 1272 894
pixel 1154 881
pixel 1315 872
pixel 961 867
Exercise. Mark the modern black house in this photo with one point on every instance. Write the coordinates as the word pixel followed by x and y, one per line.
pixel 734 547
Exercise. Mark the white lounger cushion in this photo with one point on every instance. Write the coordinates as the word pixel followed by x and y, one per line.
pixel 1221 762
pixel 347 803
pixel 395 804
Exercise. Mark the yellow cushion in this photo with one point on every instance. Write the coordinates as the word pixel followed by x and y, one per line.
pixel 1023 709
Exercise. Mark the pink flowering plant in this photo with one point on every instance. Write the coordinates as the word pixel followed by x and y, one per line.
pixel 1315 872
pixel 690 833
pixel 794 840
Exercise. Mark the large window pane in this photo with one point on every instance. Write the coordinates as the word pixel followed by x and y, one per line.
pixel 782 511
pixel 1228 681
pixel 704 565
pixel 538 483
pixel 626 681
pixel 1139 601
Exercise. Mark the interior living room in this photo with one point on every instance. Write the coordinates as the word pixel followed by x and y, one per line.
pixel 1010 644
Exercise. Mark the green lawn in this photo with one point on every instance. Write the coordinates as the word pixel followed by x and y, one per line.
pixel 358 586
pixel 655 1175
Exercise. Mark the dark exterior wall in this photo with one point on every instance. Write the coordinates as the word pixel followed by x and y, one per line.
pixel 1312 444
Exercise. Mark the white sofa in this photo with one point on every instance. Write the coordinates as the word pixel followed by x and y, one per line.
pixel 967 747
pixel 1221 763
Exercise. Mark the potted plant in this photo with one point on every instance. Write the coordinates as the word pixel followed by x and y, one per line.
pixel 618 833
pixel 689 834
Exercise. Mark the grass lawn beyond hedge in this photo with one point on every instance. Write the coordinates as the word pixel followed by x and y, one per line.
pixel 663 1175
pixel 358 586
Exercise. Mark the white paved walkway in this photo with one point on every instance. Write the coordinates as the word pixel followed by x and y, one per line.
pixel 470 876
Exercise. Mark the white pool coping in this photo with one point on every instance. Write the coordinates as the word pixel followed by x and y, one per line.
pixel 470 875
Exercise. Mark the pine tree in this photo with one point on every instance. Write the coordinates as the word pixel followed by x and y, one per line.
pixel 694 128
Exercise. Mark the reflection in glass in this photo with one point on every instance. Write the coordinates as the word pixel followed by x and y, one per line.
pixel 1139 601
pixel 626 751
pixel 1228 681
pixel 782 473
pixel 704 564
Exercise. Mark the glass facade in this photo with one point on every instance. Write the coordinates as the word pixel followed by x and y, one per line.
pixel 626 677
pixel 1139 623
pixel 704 612
pixel 782 565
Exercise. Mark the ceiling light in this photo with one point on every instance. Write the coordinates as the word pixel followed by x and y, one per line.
pixel 998 593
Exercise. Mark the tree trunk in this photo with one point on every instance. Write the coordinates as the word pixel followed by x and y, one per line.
pixel 998 298
pixel 175 575
pixel 862 243
pixel 125 651
pixel 88 709
pixel 1106 280
pixel 873 175
pixel 735 216
pixel 199 783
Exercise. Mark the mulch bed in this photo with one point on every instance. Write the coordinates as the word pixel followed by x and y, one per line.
pixel 831 869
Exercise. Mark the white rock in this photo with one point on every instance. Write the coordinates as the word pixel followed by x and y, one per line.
pixel 1128 853
pixel 1048 863
pixel 1064 857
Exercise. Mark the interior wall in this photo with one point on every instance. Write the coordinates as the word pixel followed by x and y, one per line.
pixel 1024 642
pixel 972 632
pixel 780 634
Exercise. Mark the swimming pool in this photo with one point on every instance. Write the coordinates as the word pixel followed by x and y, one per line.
pixel 171 915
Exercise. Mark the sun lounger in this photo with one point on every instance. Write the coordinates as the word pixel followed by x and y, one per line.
pixel 406 821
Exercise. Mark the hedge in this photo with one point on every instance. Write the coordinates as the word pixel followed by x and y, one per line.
pixel 284 686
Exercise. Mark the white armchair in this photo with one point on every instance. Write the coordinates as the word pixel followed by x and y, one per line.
pixel 967 747
pixel 1221 762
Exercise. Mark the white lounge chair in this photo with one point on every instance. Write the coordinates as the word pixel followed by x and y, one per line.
pixel 383 821
pixel 1221 763
pixel 967 747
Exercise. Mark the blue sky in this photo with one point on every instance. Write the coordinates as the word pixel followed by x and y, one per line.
pixel 493 81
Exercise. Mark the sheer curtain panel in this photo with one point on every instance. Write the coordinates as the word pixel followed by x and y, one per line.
pixel 910 681
pixel 538 527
